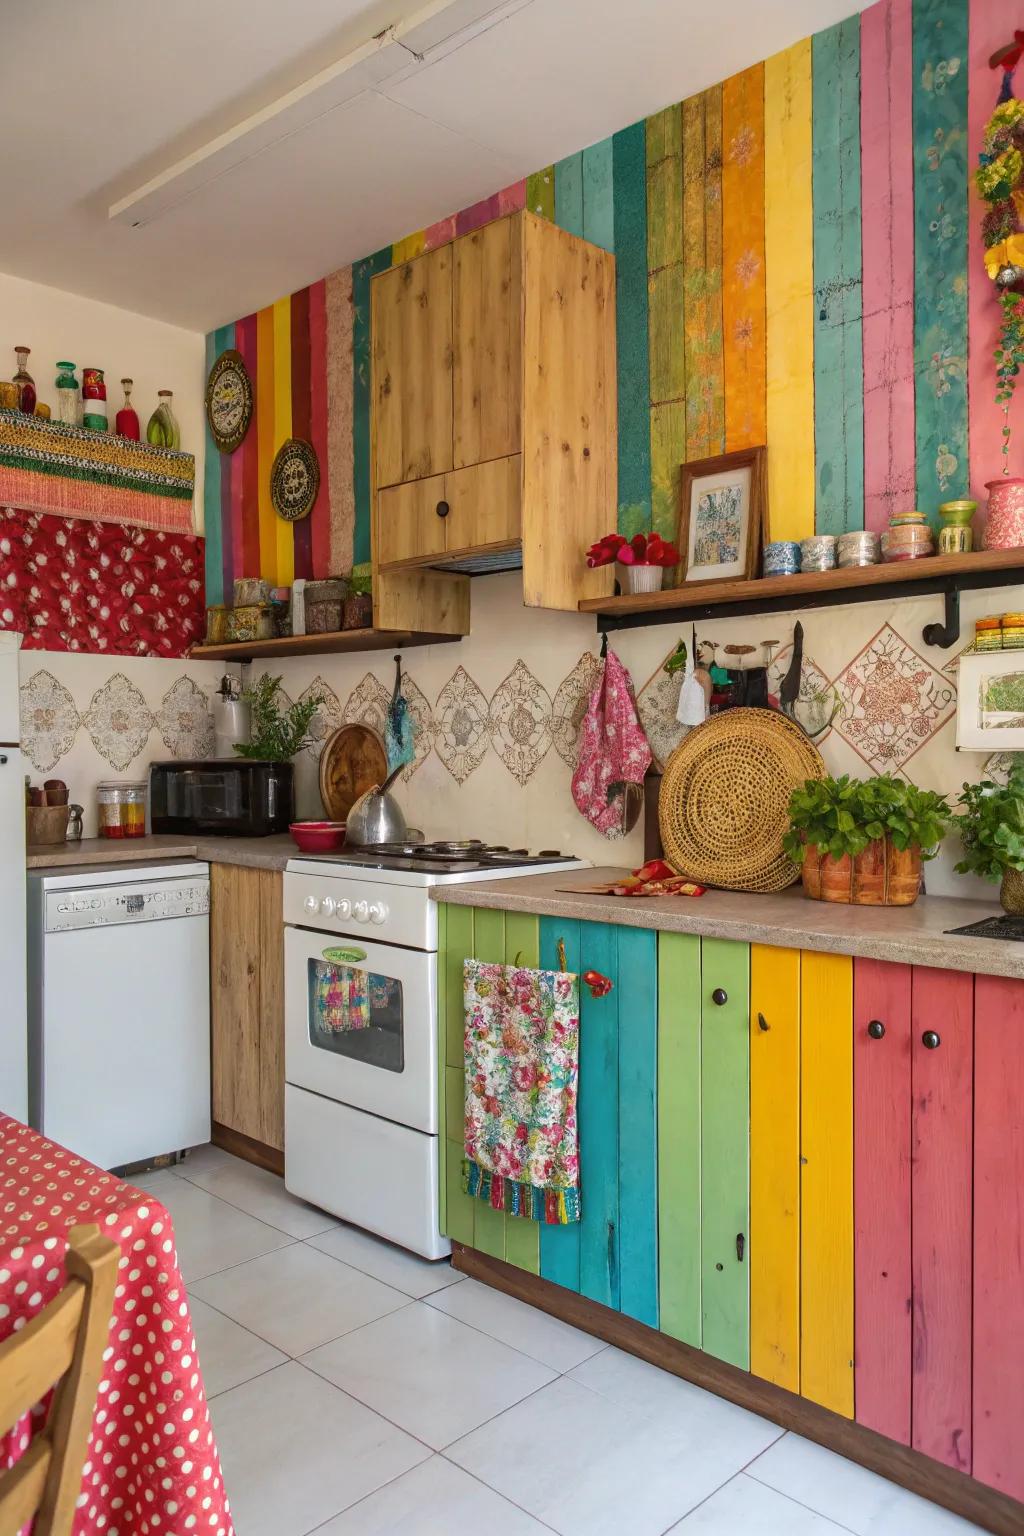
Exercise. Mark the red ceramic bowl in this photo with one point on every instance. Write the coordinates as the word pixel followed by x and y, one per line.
pixel 317 836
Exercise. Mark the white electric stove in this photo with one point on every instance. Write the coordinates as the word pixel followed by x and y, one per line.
pixel 361 1122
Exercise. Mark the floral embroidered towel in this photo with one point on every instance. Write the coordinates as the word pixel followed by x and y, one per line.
pixel 522 1070
pixel 613 750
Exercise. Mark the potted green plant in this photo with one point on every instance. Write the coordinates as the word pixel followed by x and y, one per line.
pixel 863 840
pixel 358 613
pixel 991 828
pixel 276 735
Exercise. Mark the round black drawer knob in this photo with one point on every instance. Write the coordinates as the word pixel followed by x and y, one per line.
pixel 719 996
pixel 930 1040
pixel 443 509
pixel 876 1029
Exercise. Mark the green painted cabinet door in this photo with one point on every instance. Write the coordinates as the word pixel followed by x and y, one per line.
pixel 725 1123
pixel 679 1137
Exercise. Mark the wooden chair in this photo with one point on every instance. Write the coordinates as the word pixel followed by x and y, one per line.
pixel 62 1347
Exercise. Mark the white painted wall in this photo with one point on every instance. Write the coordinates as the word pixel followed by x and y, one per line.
pixel 58 325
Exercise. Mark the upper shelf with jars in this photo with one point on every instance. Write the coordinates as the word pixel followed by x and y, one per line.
pixel 494 421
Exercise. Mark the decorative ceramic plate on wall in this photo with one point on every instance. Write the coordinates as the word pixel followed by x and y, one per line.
pixel 229 401
pixel 294 480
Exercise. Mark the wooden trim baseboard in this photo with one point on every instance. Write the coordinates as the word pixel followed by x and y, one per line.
pixel 247 1147
pixel 965 1496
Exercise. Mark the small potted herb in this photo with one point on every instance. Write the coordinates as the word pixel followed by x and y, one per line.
pixel 863 840
pixel 991 828
pixel 358 612
pixel 276 735
pixel 644 558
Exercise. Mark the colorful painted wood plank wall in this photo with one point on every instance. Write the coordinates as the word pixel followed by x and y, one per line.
pixel 798 263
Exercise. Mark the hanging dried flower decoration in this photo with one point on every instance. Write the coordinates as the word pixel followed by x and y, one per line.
pixel 1000 182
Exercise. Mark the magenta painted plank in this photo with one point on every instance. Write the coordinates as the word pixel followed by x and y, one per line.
pixel 440 233
pixel 887 202
pixel 943 1005
pixel 989 24
pixel 511 199
pixel 478 213
pixel 881 1197
pixel 999 1233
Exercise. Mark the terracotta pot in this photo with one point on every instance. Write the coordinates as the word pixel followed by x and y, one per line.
pixel 880 876
pixel 1011 892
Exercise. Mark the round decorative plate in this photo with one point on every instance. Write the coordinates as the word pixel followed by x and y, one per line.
pixel 353 760
pixel 294 480
pixel 723 806
pixel 229 401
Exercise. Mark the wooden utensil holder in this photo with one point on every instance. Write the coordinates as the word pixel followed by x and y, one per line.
pixel 46 825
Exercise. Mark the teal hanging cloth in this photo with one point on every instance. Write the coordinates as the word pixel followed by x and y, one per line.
pixel 399 728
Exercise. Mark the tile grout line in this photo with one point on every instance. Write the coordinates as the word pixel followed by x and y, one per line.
pixel 793 1500
pixel 288 1356
pixel 602 1346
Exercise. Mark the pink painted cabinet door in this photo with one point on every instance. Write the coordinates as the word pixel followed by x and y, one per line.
pixel 881 1196
pixel 999 1234
pixel 942 1044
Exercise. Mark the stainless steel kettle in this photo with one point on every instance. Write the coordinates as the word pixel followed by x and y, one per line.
pixel 376 817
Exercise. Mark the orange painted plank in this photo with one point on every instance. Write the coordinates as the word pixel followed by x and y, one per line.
pixel 743 286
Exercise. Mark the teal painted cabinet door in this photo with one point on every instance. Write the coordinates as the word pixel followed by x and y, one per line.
pixel 725 1125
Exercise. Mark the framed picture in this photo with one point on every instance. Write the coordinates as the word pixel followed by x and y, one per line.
pixel 723 516
pixel 990 702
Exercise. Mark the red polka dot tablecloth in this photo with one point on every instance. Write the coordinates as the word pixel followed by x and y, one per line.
pixel 152 1467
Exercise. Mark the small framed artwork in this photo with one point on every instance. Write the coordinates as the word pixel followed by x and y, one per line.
pixel 723 516
pixel 990 702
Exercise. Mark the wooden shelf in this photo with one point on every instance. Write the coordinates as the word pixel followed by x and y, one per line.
pixel 318 645
pixel 948 574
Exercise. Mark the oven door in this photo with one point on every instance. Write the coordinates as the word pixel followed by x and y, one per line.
pixel 360 1025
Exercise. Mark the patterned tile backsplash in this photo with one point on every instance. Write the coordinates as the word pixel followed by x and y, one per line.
pixel 497 716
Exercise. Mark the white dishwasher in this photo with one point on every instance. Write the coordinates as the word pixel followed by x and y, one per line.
pixel 119 1009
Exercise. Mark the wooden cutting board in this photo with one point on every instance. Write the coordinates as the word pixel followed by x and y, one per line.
pixel 354 759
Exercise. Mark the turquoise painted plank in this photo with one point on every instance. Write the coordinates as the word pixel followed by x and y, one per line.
pixel 599 195
pixel 569 194
pixel 941 230
pixel 725 1150
pixel 629 163
pixel 638 1123
pixel 679 999
pixel 838 286
pixel 599 1120
pixel 211 500
pixel 362 272
pixel 560 1246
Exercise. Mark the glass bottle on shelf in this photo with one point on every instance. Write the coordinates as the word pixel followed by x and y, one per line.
pixel 24 382
pixel 126 422
pixel 69 396
pixel 163 430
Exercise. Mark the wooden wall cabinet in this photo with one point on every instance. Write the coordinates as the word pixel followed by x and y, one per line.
pixel 494 421
pixel 247 1007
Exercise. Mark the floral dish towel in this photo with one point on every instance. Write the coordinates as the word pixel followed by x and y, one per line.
pixel 522 1071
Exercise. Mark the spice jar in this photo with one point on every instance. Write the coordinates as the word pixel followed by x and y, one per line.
pixel 988 634
pixel 121 807
pixel 956 536
pixel 69 396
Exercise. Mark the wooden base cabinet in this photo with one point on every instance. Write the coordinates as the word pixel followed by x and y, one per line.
pixel 247 1007
pixel 802 1169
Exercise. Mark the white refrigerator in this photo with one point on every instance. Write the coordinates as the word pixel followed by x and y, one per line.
pixel 13 1006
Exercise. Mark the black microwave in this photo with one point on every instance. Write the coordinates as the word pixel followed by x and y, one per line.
pixel 237 796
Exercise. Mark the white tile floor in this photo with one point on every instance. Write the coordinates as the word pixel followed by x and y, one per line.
pixel 359 1391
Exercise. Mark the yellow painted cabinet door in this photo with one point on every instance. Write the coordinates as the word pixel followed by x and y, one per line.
pixel 412 368
pixel 484 504
pixel 409 523
pixel 487 382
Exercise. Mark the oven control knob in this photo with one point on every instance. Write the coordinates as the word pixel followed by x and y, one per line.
pixel 343 908
pixel 361 912
pixel 311 904
pixel 378 912
pixel 327 906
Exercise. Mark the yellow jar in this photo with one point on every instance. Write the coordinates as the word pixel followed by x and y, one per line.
pixel 8 396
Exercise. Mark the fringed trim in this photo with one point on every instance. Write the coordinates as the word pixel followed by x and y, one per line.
pixel 100 503
pixel 556 1207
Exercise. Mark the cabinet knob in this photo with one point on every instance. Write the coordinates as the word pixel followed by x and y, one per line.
pixel 930 1040
pixel 443 509
pixel 876 1029
pixel 719 996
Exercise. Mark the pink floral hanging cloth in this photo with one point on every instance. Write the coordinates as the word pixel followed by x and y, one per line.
pixel 614 750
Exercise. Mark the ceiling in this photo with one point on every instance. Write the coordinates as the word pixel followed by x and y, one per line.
pixel 249 147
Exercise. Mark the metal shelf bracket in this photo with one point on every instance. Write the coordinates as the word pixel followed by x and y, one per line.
pixel 947 633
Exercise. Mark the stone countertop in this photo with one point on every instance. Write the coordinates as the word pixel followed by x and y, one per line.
pixel 915 935
pixel 254 852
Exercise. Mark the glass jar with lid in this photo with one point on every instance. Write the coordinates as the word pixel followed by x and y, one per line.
pixel 69 396
pixel 121 808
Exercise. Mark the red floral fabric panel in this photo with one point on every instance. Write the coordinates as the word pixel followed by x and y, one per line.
pixel 70 584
